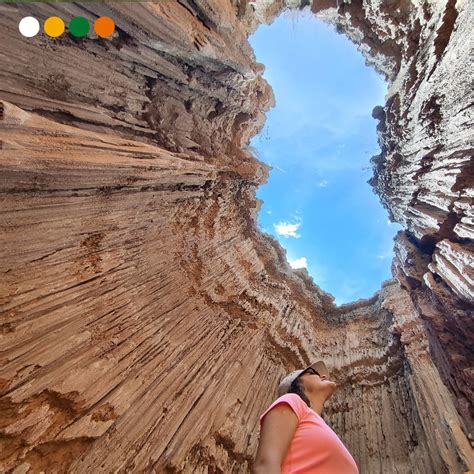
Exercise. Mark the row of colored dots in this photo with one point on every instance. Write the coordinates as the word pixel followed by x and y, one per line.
pixel 78 26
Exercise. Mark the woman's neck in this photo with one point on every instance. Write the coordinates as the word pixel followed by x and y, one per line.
pixel 317 402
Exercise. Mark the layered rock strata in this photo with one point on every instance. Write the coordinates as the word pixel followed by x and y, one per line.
pixel 145 319
pixel 424 174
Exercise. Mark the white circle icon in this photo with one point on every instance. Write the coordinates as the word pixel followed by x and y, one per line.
pixel 29 26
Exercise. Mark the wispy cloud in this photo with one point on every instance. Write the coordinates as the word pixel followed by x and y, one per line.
pixel 386 250
pixel 323 183
pixel 299 263
pixel 348 291
pixel 286 229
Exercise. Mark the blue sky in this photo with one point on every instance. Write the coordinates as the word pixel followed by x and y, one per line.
pixel 319 139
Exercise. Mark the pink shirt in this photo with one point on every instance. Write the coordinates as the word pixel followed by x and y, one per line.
pixel 315 448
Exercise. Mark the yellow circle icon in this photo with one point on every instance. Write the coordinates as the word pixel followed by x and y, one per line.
pixel 54 26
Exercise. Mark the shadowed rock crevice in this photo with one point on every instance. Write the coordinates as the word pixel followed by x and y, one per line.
pixel 146 320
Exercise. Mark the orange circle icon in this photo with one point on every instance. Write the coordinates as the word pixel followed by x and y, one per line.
pixel 104 26
pixel 54 26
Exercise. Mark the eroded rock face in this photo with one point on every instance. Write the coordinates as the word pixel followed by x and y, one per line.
pixel 391 399
pixel 145 320
pixel 424 174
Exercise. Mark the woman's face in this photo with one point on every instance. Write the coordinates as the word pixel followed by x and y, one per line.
pixel 315 383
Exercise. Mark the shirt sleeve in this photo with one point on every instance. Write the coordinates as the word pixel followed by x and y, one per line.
pixel 294 401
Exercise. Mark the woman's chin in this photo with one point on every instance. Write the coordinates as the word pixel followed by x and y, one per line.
pixel 331 384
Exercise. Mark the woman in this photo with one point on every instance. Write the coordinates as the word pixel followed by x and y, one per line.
pixel 294 439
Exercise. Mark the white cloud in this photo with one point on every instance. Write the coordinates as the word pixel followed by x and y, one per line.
pixel 299 263
pixel 287 230
pixel 269 212
pixel 385 250
pixel 348 289
pixel 323 183
pixel 386 253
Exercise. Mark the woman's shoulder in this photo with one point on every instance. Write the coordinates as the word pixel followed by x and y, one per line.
pixel 295 402
pixel 290 396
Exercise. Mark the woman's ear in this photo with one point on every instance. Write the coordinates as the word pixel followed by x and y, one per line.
pixel 303 381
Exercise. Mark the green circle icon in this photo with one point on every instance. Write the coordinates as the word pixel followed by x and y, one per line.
pixel 79 26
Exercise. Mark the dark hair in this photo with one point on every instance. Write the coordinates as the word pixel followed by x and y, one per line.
pixel 298 388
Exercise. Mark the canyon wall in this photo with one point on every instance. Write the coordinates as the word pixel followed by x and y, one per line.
pixel 146 321
pixel 425 172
